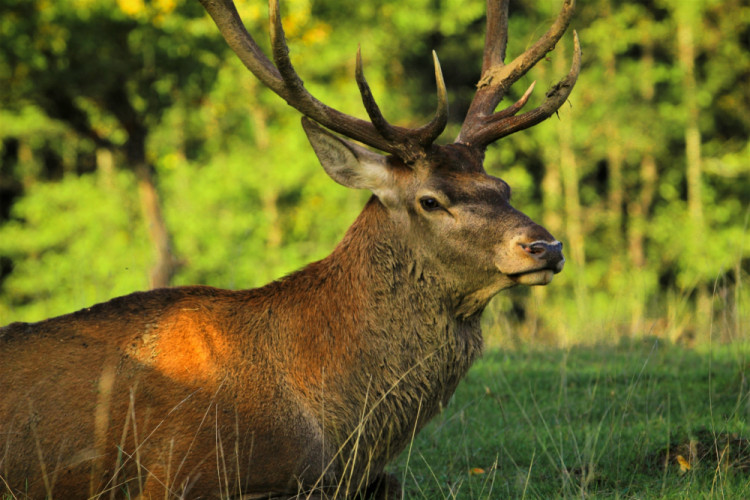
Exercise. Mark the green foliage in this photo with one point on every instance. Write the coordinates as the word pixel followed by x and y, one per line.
pixel 272 203
pixel 75 228
pixel 83 62
pixel 245 201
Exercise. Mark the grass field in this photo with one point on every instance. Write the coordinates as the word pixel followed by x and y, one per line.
pixel 641 419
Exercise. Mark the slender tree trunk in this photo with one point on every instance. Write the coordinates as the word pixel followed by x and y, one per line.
pixel 638 210
pixel 275 235
pixel 573 212
pixel 616 189
pixel 26 157
pixel 687 15
pixel 561 201
pixel 686 50
pixel 615 155
pixel 270 196
pixel 572 208
pixel 570 181
pixel 553 220
pixel 639 205
pixel 165 265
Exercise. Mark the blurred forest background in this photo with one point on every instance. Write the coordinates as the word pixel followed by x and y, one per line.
pixel 136 151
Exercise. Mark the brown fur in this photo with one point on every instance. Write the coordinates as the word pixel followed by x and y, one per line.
pixel 310 384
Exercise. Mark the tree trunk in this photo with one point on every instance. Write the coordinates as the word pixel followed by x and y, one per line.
pixel 573 212
pixel 638 210
pixel 165 265
pixel 572 200
pixel 616 188
pixel 686 49
pixel 553 220
pixel 639 206
pixel 270 197
pixel 687 15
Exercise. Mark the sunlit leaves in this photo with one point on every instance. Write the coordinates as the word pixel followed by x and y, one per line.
pixel 153 11
pixel 131 7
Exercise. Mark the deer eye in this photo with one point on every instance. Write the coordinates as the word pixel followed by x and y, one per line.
pixel 429 203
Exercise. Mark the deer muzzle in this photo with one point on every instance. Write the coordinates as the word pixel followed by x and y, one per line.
pixel 548 254
pixel 536 262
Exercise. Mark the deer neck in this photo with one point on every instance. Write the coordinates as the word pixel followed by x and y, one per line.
pixel 373 295
pixel 414 349
pixel 382 267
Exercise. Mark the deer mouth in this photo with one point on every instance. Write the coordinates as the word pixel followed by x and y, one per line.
pixel 533 277
pixel 533 263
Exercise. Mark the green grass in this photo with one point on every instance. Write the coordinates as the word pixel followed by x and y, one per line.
pixel 591 422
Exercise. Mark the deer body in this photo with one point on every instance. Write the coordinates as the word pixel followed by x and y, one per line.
pixel 306 387
pixel 356 371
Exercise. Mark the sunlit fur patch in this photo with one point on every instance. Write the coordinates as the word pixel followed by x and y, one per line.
pixel 542 277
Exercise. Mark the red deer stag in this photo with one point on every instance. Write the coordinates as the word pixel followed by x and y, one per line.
pixel 308 386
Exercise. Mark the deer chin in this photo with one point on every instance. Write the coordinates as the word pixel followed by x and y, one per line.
pixel 532 278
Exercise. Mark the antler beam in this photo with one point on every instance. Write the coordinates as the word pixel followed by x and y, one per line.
pixel 482 126
pixel 280 76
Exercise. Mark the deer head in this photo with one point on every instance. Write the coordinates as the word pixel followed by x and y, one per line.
pixel 457 218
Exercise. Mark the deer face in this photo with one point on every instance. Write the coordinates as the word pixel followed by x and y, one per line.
pixel 456 218
pixel 464 217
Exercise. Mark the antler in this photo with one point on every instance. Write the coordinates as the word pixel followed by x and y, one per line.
pixel 407 144
pixel 482 126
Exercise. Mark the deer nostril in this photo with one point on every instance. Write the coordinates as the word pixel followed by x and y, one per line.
pixel 536 248
pixel 551 251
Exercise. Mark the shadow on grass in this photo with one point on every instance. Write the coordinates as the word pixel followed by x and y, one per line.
pixel 603 421
pixel 703 448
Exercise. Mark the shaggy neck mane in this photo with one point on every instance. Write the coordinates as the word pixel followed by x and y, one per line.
pixel 374 350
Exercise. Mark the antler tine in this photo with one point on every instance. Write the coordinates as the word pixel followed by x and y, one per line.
pixel 511 72
pixel 413 142
pixel 387 130
pixel 496 35
pixel 515 107
pixel 497 77
pixel 280 52
pixel 430 132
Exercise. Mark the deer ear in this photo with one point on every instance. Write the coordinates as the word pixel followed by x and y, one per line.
pixel 349 164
